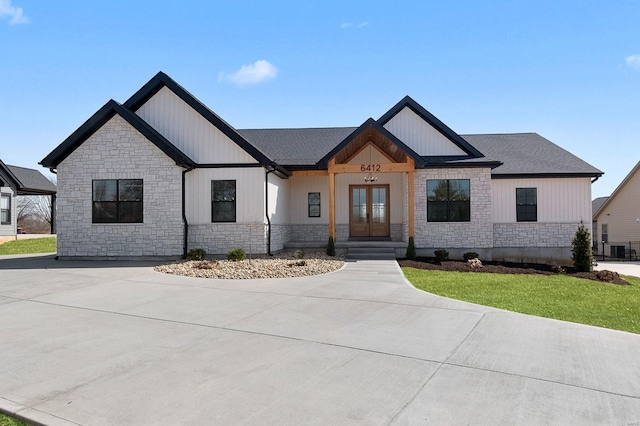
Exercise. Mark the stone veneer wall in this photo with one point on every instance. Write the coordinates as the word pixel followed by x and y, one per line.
pixel 118 151
pixel 300 232
pixel 478 233
pixel 280 234
pixel 533 234
pixel 219 238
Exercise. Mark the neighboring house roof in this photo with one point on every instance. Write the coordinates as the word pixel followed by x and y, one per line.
pixel 28 181
pixel 529 155
pixel 596 204
pixel 98 119
pixel 624 182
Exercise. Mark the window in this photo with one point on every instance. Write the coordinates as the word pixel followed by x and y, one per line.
pixel 223 201
pixel 117 201
pixel 448 200
pixel 605 232
pixel 5 209
pixel 314 204
pixel 527 204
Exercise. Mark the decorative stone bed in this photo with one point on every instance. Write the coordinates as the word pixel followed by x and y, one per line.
pixel 281 265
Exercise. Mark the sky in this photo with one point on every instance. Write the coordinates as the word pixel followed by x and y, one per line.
pixel 567 70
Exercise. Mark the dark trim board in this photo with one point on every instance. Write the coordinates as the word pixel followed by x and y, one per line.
pixel 545 176
pixel 228 165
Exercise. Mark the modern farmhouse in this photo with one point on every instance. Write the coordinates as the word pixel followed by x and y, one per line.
pixel 162 174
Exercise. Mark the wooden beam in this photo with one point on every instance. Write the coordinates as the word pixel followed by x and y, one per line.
pixel 384 168
pixel 411 203
pixel 332 205
pixel 309 173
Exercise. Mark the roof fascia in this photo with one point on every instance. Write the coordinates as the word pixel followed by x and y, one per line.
pixel 161 80
pixel 9 173
pixel 618 189
pixel 419 161
pixel 542 175
pixel 445 130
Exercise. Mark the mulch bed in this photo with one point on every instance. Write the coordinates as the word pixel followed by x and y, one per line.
pixel 514 268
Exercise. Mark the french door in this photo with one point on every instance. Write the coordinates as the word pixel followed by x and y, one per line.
pixel 369 210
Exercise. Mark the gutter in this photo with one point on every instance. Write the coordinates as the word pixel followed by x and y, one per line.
pixel 272 169
pixel 185 242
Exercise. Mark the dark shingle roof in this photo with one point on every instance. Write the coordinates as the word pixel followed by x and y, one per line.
pixel 529 154
pixel 596 204
pixel 32 180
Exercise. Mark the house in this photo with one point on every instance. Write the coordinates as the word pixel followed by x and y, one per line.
pixel 162 173
pixel 16 181
pixel 617 220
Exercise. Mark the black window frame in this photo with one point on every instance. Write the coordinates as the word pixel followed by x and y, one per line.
pixel 8 222
pixel 310 204
pixel 445 209
pixel 216 215
pixel 527 204
pixel 123 210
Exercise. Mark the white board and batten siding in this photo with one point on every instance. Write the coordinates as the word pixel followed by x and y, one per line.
pixel 279 193
pixel 560 200
pixel 300 187
pixel 421 136
pixel 189 131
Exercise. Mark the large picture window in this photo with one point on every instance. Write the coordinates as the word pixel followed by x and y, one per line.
pixel 223 201
pixel 117 201
pixel 448 200
pixel 5 209
pixel 526 204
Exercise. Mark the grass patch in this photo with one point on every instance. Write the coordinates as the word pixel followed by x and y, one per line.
pixel 33 245
pixel 10 421
pixel 559 296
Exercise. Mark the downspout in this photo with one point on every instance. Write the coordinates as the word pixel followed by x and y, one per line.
pixel 266 207
pixel 593 180
pixel 185 243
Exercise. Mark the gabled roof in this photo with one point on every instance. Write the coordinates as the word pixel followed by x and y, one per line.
pixel 624 182
pixel 161 80
pixel 530 155
pixel 98 119
pixel 8 172
pixel 28 181
pixel 322 163
pixel 596 204
pixel 407 102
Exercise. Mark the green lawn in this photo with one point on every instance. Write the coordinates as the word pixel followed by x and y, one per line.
pixel 558 296
pixel 10 421
pixel 34 245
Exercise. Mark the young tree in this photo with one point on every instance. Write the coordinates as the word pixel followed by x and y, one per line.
pixel 582 255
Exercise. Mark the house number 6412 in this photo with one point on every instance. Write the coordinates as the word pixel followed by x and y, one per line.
pixel 369 167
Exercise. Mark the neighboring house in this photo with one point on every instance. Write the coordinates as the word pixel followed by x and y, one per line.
pixel 161 174
pixel 617 219
pixel 16 181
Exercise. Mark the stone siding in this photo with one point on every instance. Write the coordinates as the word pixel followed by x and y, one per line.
pixel 477 233
pixel 219 238
pixel 118 151
pixel 533 234
pixel 318 232
pixel 280 234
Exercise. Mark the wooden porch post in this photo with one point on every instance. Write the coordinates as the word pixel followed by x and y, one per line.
pixel 332 205
pixel 411 202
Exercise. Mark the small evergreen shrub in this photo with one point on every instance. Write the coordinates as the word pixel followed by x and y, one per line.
pixel 331 247
pixel 196 254
pixel 236 255
pixel 470 255
pixel 441 255
pixel 411 249
pixel 581 248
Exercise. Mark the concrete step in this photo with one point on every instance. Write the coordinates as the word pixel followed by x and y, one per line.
pixel 371 253
pixel 372 250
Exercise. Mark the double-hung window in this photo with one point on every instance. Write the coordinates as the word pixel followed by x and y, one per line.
pixel 5 209
pixel 526 204
pixel 117 201
pixel 448 200
pixel 223 201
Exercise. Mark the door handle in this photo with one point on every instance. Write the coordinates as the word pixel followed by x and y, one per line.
pixel 367 217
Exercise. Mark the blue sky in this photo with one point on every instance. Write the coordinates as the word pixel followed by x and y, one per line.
pixel 568 70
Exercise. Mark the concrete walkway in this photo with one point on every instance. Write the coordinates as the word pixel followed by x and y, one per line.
pixel 624 268
pixel 104 343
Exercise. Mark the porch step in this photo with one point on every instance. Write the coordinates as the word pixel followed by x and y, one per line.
pixel 371 253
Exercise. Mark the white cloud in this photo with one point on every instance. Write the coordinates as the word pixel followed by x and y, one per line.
pixel 352 25
pixel 254 73
pixel 16 14
pixel 633 61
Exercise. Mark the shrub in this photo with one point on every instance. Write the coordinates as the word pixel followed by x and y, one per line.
pixel 582 255
pixel 470 255
pixel 331 247
pixel 236 254
pixel 441 255
pixel 196 254
pixel 411 249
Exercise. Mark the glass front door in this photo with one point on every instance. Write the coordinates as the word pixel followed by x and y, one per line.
pixel 369 215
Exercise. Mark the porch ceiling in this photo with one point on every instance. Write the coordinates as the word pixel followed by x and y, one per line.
pixel 373 136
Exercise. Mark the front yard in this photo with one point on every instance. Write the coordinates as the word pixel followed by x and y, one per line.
pixel 34 245
pixel 557 296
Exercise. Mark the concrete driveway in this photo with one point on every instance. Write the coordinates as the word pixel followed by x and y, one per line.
pixel 104 343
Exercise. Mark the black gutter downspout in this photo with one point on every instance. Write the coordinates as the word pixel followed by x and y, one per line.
pixel 597 177
pixel 185 242
pixel 266 207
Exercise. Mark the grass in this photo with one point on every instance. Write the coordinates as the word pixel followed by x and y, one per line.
pixel 10 421
pixel 558 296
pixel 34 245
